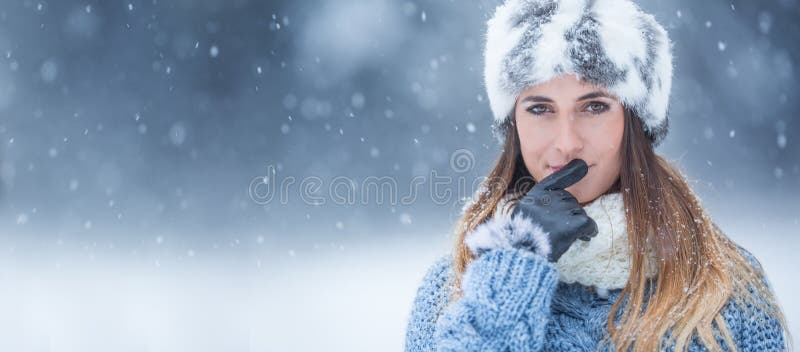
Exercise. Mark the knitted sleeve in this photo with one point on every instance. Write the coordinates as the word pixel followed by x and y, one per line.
pixel 428 303
pixel 506 294
pixel 505 304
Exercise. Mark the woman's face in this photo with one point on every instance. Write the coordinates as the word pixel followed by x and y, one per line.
pixel 564 119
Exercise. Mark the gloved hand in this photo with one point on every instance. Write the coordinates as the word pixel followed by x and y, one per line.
pixel 557 211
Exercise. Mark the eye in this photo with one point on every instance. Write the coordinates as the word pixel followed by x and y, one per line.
pixel 537 109
pixel 597 107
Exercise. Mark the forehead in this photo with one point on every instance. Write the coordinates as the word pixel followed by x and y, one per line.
pixel 564 87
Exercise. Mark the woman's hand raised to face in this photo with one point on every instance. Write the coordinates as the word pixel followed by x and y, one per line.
pixel 557 211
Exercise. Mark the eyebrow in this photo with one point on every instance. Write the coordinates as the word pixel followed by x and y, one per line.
pixel 541 99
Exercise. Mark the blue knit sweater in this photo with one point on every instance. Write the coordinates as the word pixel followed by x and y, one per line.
pixel 513 301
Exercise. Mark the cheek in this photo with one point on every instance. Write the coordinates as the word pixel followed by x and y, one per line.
pixel 606 139
pixel 608 159
pixel 533 148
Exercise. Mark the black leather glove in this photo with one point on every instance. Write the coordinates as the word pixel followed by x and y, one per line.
pixel 557 211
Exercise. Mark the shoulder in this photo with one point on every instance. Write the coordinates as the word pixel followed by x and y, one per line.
pixel 758 294
pixel 436 277
pixel 750 256
pixel 755 263
pixel 431 298
pixel 753 321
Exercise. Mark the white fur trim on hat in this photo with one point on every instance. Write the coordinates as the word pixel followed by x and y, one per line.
pixel 611 43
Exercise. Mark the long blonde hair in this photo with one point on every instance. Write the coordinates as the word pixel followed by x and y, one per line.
pixel 699 267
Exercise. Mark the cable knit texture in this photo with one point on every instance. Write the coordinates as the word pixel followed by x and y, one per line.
pixel 513 299
pixel 503 306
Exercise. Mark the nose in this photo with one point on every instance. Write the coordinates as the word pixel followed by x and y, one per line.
pixel 568 141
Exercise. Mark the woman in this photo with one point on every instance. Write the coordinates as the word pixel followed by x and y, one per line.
pixel 609 249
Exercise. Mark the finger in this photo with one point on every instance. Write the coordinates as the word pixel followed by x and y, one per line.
pixel 566 176
pixel 589 228
pixel 564 195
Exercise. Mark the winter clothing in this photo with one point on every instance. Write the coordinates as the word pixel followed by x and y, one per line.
pixel 611 43
pixel 603 263
pixel 558 217
pixel 515 299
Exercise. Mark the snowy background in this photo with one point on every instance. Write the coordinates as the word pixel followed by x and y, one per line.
pixel 135 137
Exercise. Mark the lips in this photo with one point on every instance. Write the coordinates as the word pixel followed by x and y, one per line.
pixel 555 168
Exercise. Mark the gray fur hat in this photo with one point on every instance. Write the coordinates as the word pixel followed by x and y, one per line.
pixel 611 43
